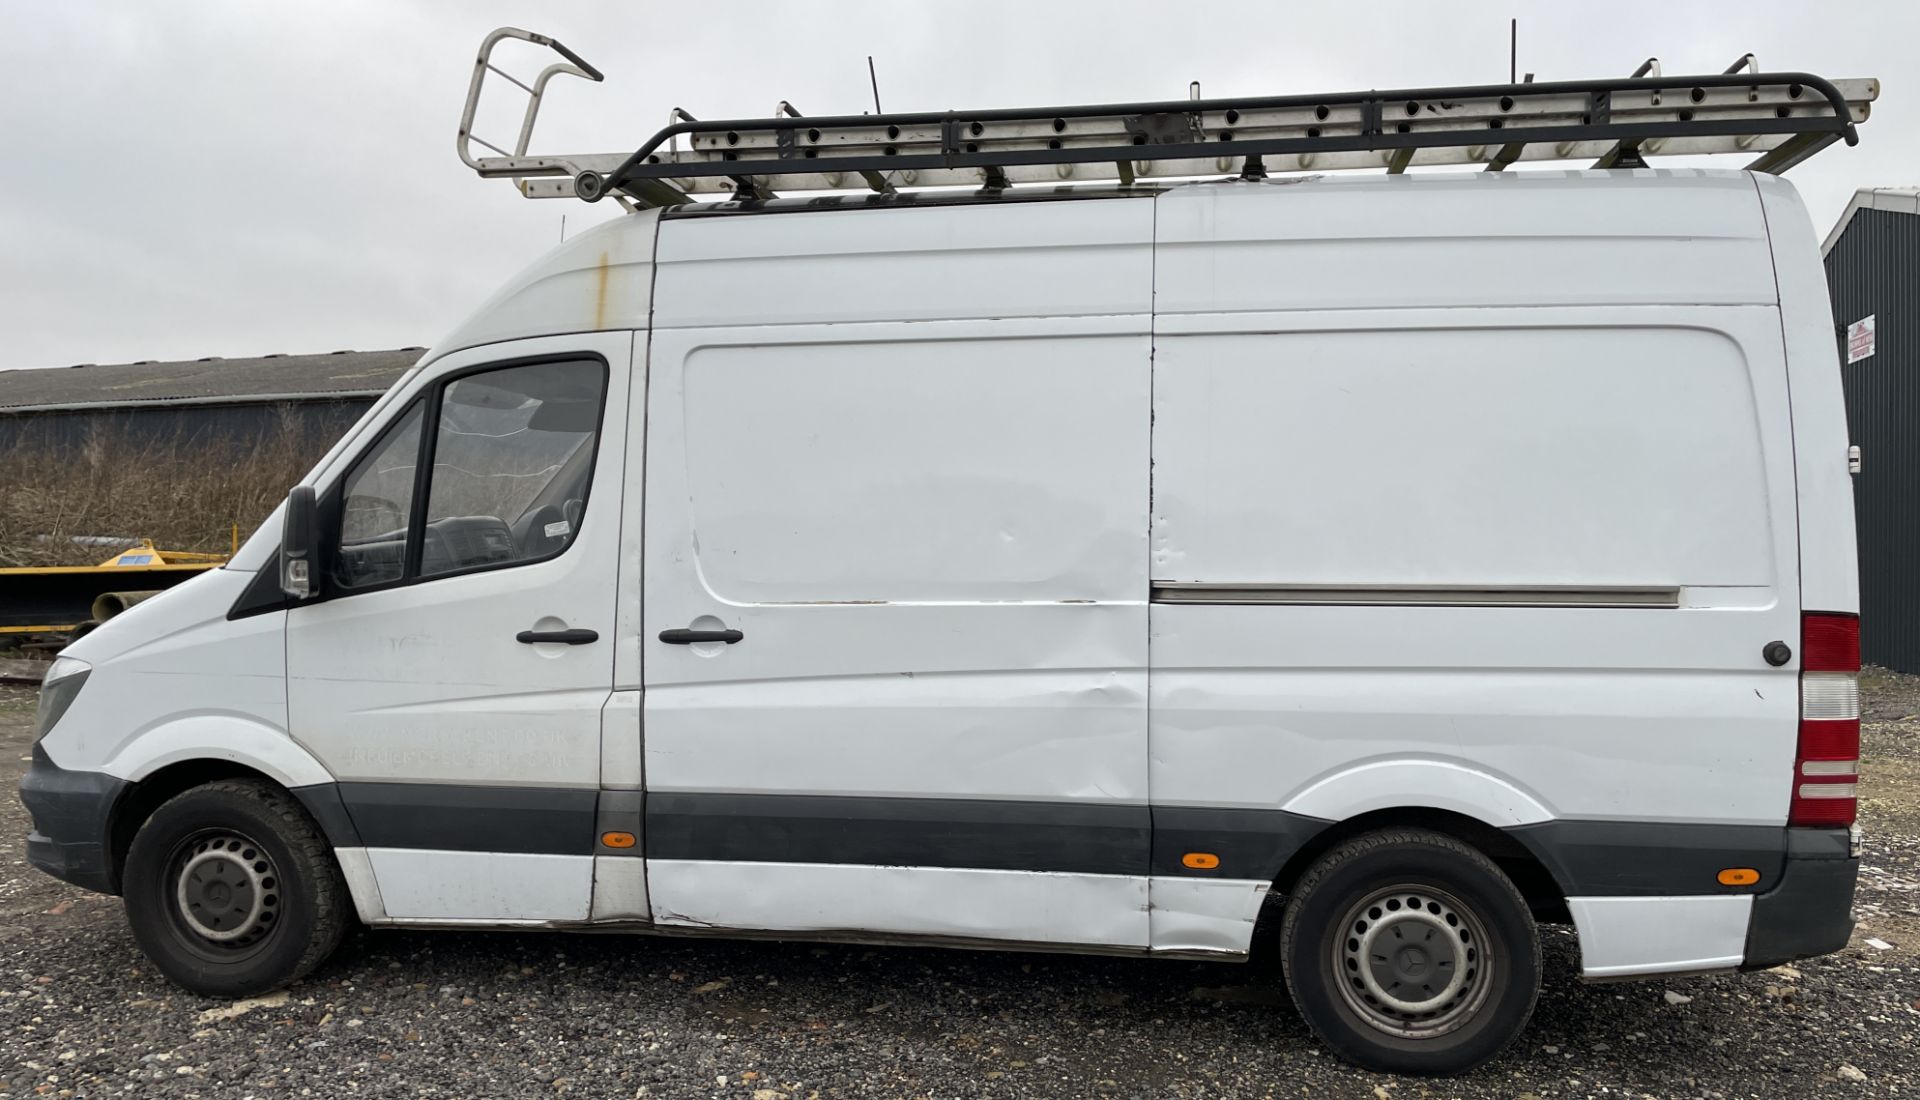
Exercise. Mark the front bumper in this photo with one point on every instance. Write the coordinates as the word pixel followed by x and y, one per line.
pixel 1810 911
pixel 72 814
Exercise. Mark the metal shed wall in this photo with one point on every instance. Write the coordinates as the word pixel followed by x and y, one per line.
pixel 237 424
pixel 213 402
pixel 1874 268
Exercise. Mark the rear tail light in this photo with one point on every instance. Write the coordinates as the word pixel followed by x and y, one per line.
pixel 1826 765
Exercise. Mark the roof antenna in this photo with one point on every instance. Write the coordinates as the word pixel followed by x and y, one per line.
pixel 876 85
pixel 1513 52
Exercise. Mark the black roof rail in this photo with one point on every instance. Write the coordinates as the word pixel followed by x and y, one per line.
pixel 1776 119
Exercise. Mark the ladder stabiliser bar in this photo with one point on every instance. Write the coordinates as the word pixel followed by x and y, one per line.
pixel 517 162
pixel 1775 119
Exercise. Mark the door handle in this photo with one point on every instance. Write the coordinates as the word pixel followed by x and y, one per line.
pixel 683 636
pixel 564 637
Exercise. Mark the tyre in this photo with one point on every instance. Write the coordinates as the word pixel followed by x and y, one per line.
pixel 1410 952
pixel 232 890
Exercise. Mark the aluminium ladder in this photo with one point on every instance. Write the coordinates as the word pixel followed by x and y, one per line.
pixel 1776 119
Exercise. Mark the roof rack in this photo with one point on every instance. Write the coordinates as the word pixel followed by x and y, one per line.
pixel 1777 119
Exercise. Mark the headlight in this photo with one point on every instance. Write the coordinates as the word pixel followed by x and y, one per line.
pixel 63 682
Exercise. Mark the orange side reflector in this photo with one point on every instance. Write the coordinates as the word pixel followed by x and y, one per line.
pixel 617 840
pixel 1739 876
pixel 1201 861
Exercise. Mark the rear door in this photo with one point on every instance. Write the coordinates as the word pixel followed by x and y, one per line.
pixel 894 639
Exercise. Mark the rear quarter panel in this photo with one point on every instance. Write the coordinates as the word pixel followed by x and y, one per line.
pixel 1829 569
pixel 1550 382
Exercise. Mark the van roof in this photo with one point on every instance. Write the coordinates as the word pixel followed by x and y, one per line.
pixel 601 279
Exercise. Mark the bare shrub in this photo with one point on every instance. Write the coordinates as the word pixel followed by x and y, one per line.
pixel 183 492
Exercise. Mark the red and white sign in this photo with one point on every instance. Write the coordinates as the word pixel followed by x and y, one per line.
pixel 1860 339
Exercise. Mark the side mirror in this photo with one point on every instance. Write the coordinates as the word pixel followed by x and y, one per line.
pixel 299 543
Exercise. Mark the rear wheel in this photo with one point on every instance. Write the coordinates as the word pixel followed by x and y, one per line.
pixel 1410 952
pixel 232 890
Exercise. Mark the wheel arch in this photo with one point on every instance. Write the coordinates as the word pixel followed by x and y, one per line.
pixel 169 760
pixel 1536 883
pixel 232 738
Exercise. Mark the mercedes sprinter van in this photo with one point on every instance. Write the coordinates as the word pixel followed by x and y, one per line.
pixel 1366 569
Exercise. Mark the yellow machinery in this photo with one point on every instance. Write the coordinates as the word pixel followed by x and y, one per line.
pixel 65 601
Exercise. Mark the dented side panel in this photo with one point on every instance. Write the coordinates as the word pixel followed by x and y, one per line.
pixel 1043 735
pixel 931 537
pixel 1095 911
pixel 1205 917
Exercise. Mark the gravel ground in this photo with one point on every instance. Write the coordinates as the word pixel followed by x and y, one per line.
pixel 530 1014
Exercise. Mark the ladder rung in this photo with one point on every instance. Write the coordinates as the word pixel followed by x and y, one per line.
pixel 1774 119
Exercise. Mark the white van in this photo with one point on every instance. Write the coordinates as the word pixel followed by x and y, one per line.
pixel 1367 569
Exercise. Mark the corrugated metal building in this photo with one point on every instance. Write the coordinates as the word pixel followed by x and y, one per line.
pixel 1873 271
pixel 206 400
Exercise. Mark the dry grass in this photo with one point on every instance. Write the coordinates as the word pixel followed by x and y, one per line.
pixel 182 493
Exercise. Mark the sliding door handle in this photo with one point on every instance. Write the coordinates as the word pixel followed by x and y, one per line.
pixel 564 637
pixel 683 636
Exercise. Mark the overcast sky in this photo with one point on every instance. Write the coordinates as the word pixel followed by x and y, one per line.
pixel 202 178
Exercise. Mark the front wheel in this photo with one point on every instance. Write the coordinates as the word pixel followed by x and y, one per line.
pixel 231 889
pixel 1410 952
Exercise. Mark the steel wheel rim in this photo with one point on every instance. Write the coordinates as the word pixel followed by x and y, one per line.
pixel 1411 961
pixel 226 889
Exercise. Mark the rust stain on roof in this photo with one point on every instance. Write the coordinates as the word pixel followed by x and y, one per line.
pixel 600 294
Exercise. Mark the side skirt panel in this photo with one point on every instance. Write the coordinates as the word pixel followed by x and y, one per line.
pixel 1630 937
pixel 441 885
pixel 1205 918
pixel 965 904
pixel 362 886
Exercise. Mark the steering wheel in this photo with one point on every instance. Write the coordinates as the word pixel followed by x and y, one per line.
pixel 370 516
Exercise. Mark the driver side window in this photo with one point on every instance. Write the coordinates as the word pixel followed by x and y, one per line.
pixel 510 454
